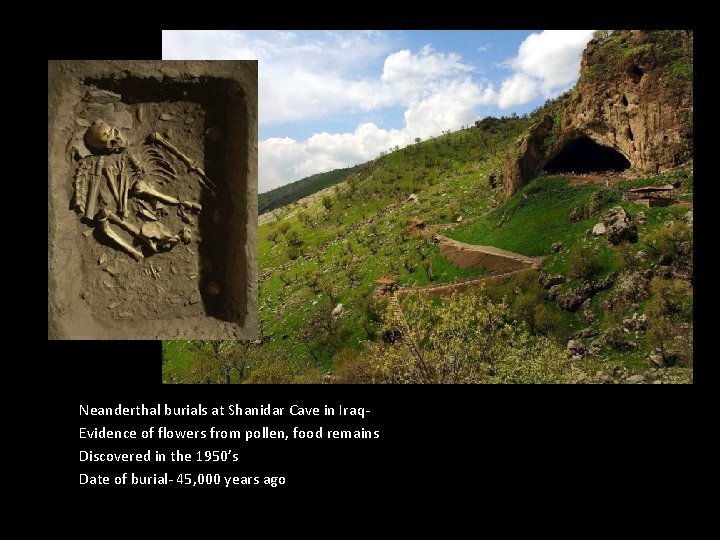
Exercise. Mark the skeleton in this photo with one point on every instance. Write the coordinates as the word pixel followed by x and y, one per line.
pixel 126 170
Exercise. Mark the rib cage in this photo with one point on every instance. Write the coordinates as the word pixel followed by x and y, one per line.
pixel 148 161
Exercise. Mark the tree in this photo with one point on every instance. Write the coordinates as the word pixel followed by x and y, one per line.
pixel 601 34
pixel 305 217
pixel 312 280
pixel 427 266
pixel 293 238
pixel 283 227
pixel 584 261
pixel 409 264
pixel 273 236
pixel 216 361
pixel 417 140
pixel 669 313
pixel 354 275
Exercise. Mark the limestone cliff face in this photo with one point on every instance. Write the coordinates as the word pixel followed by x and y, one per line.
pixel 634 95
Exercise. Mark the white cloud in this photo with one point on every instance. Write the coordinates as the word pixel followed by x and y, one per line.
pixel 405 70
pixel 546 64
pixel 517 89
pixel 449 108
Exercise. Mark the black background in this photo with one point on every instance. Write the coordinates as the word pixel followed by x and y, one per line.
pixel 516 443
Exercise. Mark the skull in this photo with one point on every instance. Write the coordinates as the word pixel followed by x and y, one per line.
pixel 159 236
pixel 102 138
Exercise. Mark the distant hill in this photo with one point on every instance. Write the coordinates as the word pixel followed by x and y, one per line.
pixel 289 193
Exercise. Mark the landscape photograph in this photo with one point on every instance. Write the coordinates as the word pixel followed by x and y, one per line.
pixel 454 207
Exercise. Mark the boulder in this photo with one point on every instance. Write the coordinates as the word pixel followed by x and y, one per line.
pixel 635 324
pixel 337 311
pixel 570 300
pixel 635 379
pixel 585 311
pixel 599 229
pixel 631 288
pixel 605 283
pixel 657 360
pixel 549 281
pixel 585 333
pixel 576 214
pixel 576 349
pixel 688 218
pixel 619 226
pixel 554 291
pixel 557 246
pixel 640 218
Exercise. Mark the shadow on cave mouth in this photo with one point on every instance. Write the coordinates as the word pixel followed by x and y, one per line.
pixel 584 156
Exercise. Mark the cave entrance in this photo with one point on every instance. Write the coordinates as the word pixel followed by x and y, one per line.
pixel 583 155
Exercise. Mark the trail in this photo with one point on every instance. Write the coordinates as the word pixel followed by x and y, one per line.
pixel 489 257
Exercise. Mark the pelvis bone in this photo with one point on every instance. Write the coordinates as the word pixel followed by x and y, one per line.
pixel 153 234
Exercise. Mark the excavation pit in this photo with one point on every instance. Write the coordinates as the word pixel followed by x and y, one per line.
pixel 176 258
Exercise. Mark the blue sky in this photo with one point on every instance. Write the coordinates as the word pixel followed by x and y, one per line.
pixel 330 99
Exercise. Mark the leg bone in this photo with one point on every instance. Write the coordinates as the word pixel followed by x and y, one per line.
pixel 95 180
pixel 112 235
pixel 144 189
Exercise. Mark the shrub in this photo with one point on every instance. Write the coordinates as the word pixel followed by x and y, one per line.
pixel 283 227
pixel 671 243
pixel 547 321
pixel 601 34
pixel 669 312
pixel 271 372
pixel 584 261
pixel 351 367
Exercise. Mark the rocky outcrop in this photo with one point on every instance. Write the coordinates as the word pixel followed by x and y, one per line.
pixel 576 349
pixel 632 288
pixel 599 229
pixel 619 227
pixel 634 96
pixel 573 298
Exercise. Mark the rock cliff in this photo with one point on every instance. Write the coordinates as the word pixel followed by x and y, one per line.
pixel 631 107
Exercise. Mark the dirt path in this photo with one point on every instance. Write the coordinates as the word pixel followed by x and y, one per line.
pixel 493 259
